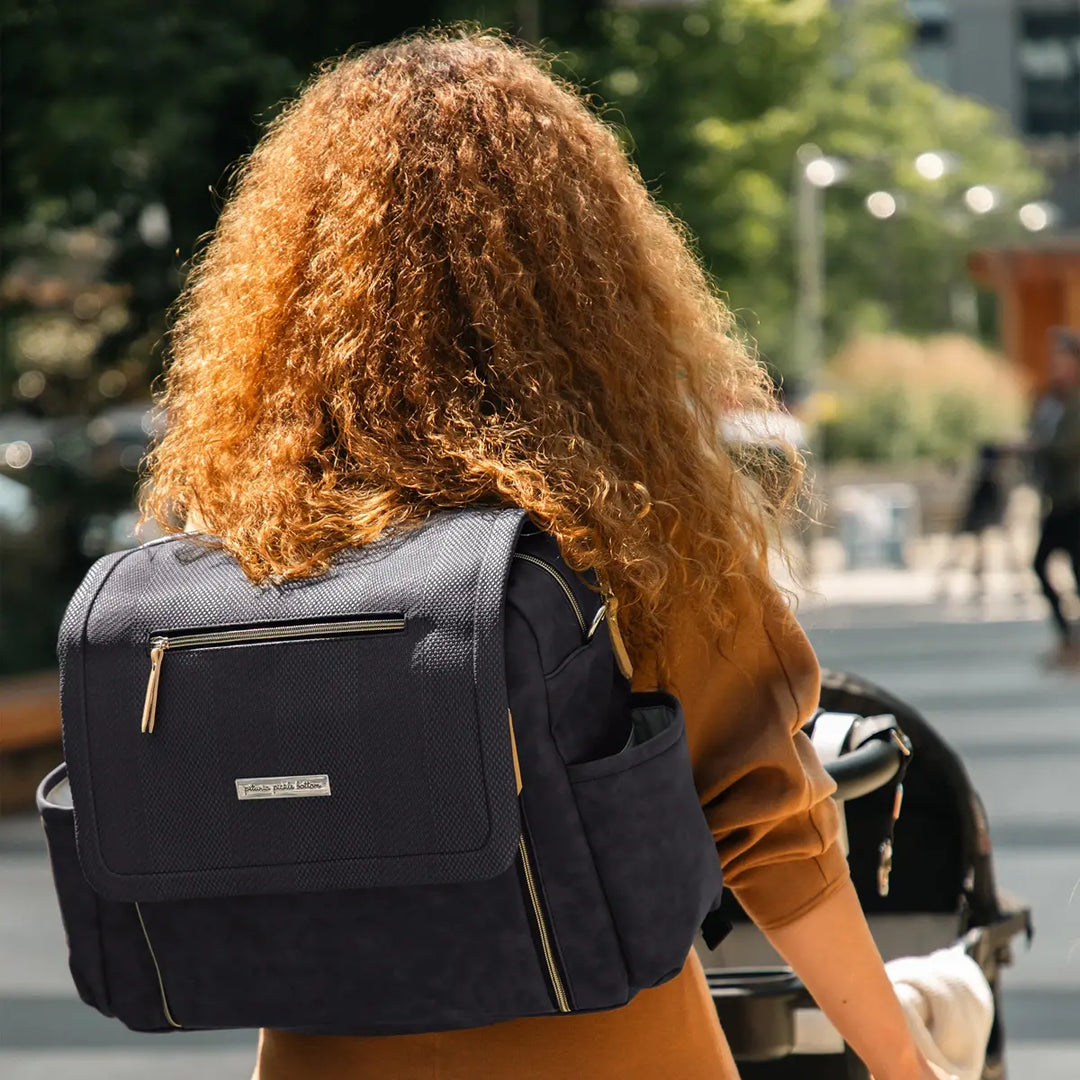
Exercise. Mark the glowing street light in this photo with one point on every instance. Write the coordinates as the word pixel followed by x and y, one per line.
pixel 823 172
pixel 980 199
pixel 1036 216
pixel 881 205
pixel 931 165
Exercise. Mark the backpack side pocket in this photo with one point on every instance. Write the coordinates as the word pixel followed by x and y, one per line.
pixel 652 847
pixel 79 905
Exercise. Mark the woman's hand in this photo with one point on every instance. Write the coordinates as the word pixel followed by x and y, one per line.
pixel 832 951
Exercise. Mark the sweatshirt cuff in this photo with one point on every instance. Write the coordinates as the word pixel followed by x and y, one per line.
pixel 776 894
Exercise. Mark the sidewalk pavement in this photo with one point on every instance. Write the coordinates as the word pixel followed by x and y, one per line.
pixel 828 594
pixel 1005 599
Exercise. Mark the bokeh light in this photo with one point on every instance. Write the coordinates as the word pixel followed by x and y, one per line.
pixel 17 454
pixel 881 204
pixel 980 199
pixel 1034 216
pixel 930 165
pixel 823 172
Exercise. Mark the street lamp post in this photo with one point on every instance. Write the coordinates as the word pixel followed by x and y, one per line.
pixel 813 173
pixel 809 272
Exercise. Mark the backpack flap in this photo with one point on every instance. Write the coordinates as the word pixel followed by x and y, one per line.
pixel 340 732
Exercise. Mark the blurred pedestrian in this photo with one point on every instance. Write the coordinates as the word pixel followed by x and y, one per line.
pixel 984 514
pixel 440 283
pixel 1056 446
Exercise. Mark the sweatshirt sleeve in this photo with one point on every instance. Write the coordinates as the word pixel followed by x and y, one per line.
pixel 765 794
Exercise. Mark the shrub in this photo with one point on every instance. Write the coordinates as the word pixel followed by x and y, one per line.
pixel 892 398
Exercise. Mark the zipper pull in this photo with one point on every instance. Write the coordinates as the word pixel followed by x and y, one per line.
pixel 513 750
pixel 157 654
pixel 598 618
pixel 618 646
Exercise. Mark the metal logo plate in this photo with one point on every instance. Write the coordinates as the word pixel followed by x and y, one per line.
pixel 282 787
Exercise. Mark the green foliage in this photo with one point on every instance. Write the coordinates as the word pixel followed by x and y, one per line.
pixel 893 424
pixel 719 98
pixel 113 107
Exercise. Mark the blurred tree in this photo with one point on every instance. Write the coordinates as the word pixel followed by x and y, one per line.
pixel 718 97
pixel 126 118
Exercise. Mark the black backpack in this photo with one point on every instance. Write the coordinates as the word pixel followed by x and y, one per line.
pixel 412 794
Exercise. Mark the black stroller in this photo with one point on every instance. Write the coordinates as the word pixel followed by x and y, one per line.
pixel 941 888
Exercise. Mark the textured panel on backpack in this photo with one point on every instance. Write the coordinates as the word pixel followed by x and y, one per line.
pixel 408 724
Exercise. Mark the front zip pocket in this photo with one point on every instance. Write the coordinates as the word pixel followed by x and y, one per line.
pixel 252 635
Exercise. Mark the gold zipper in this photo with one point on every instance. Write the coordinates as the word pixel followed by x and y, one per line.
pixel 513 750
pixel 606 611
pixel 157 971
pixel 569 593
pixel 149 712
pixel 554 977
pixel 561 999
pixel 297 631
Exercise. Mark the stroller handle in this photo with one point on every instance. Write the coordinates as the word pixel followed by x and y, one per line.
pixel 866 769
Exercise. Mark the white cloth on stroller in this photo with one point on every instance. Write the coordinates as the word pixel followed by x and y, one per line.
pixel 949 1008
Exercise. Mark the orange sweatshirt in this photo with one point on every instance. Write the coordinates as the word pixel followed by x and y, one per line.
pixel 766 798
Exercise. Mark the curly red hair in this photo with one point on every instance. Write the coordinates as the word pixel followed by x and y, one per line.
pixel 440 281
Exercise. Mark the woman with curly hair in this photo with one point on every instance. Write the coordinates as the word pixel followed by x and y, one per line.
pixel 438 282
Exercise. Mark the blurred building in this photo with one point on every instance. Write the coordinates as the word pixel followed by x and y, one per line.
pixel 1021 56
pixel 1038 288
